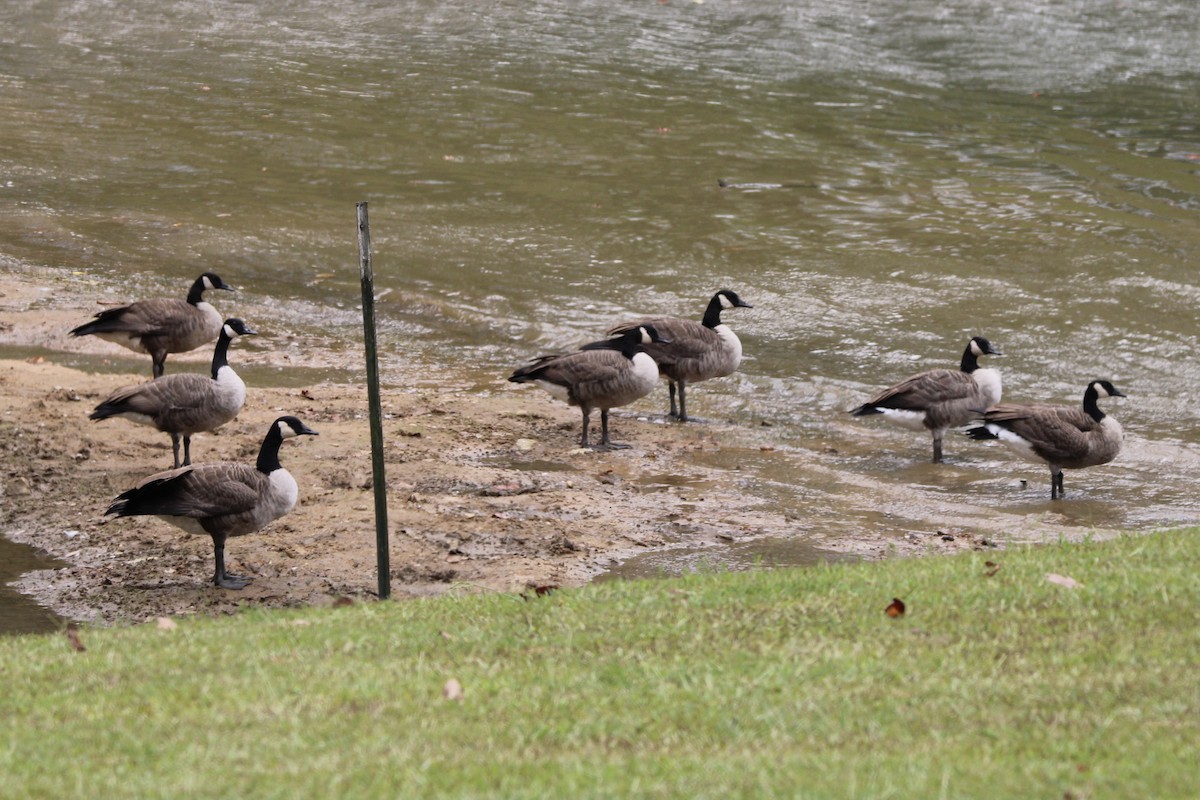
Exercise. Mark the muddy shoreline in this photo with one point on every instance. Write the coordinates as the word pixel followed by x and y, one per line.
pixel 487 489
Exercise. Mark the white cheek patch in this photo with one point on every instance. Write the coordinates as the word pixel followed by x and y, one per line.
pixel 230 332
pixel 208 284
pixel 285 430
pixel 646 338
pixel 726 302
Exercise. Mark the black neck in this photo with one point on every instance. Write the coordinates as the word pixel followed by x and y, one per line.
pixel 196 293
pixel 712 314
pixel 1090 405
pixel 970 361
pixel 221 354
pixel 268 454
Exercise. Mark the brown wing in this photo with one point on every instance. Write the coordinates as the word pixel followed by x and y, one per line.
pixel 156 316
pixel 691 351
pixel 1057 433
pixel 197 491
pixel 925 389
pixel 588 375
pixel 183 403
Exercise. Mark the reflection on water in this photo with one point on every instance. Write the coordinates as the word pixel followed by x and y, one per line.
pixel 18 613
pixel 768 553
pixel 899 177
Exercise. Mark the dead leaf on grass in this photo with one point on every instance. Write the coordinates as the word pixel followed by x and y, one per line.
pixel 539 589
pixel 165 624
pixel 992 568
pixel 452 690
pixel 895 608
pixel 73 637
pixel 1063 580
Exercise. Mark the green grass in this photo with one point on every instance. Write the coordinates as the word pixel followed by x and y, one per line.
pixel 791 683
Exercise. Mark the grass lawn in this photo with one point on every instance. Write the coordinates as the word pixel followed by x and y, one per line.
pixel 790 683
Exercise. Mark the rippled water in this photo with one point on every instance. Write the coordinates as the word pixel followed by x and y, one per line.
pixel 902 175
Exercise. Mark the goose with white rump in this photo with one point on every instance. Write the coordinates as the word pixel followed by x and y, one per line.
pixel 184 404
pixel 696 351
pixel 161 325
pixel 1062 437
pixel 604 374
pixel 221 499
pixel 940 399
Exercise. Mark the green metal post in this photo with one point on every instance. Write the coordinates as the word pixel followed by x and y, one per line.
pixel 375 407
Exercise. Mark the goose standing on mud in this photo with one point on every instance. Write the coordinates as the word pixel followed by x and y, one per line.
pixel 186 403
pixel 222 498
pixel 1063 437
pixel 696 351
pixel 605 374
pixel 161 325
pixel 940 399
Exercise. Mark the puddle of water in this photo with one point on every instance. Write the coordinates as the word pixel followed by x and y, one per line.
pixel 765 553
pixel 19 613
pixel 537 465
pixel 666 481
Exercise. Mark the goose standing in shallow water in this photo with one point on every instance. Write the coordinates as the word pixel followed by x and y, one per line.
pixel 222 498
pixel 161 325
pixel 1063 437
pixel 940 399
pixel 696 351
pixel 186 403
pixel 605 374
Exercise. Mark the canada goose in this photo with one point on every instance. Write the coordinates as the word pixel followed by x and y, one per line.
pixel 696 351
pixel 1065 437
pixel 186 403
pixel 605 374
pixel 161 325
pixel 222 498
pixel 940 399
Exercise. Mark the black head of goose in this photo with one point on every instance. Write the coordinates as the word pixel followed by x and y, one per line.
pixel 222 498
pixel 184 404
pixel 604 374
pixel 1062 437
pixel 940 399
pixel 696 351
pixel 161 325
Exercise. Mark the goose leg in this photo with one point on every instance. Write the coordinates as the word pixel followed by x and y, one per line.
pixel 159 364
pixel 1056 484
pixel 583 441
pixel 605 443
pixel 175 448
pixel 187 450
pixel 937 447
pixel 221 578
pixel 683 417
pixel 671 392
